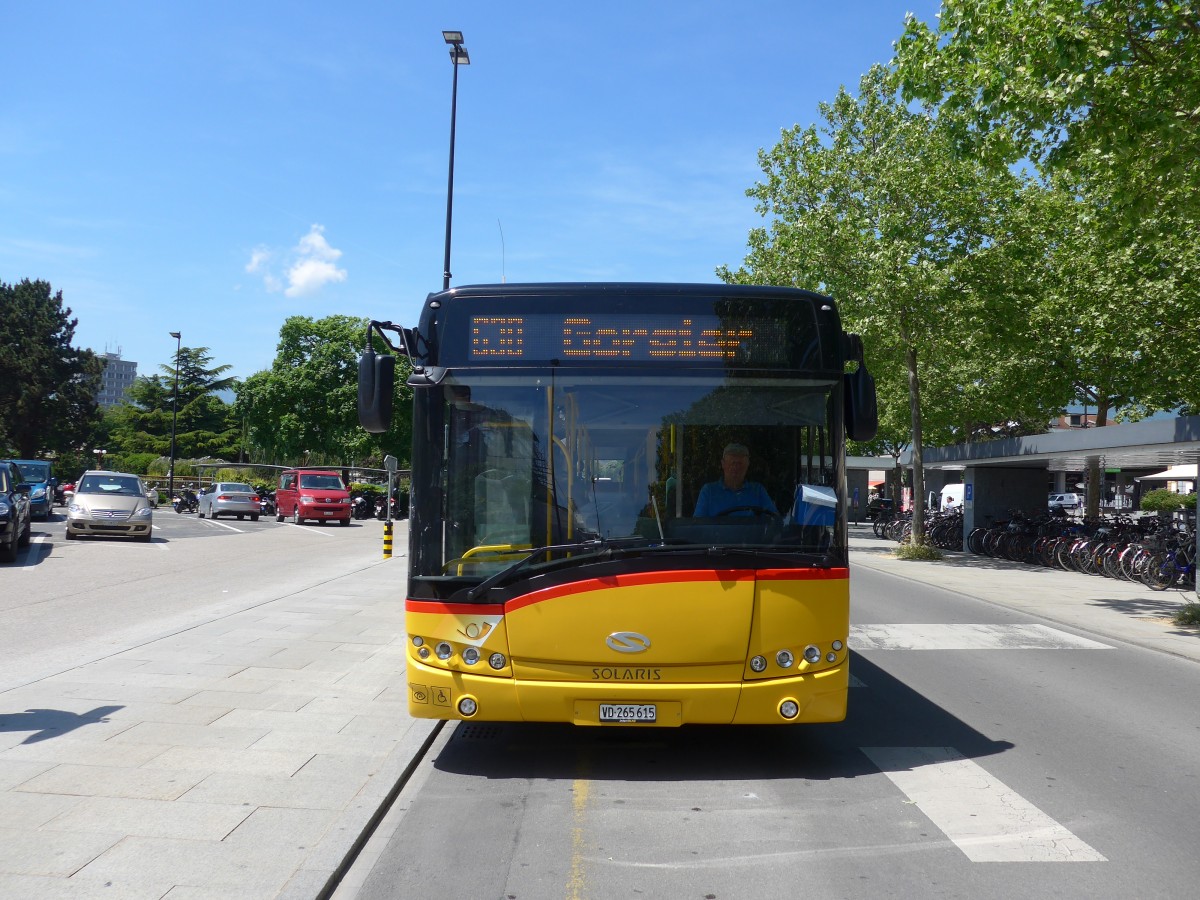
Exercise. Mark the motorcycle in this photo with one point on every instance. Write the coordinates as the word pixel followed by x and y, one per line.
pixel 399 510
pixel 266 502
pixel 359 508
pixel 187 502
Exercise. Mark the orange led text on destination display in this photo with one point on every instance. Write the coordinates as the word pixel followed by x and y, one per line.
pixel 589 337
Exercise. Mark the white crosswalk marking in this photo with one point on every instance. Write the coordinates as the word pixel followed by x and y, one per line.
pixel 984 818
pixel 967 637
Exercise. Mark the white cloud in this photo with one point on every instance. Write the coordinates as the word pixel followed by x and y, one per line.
pixel 311 266
pixel 309 275
pixel 314 245
pixel 258 258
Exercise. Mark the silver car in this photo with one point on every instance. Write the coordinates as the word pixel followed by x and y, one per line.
pixel 109 503
pixel 230 498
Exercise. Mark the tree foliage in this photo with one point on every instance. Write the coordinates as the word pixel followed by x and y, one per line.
pixel 1163 500
pixel 305 407
pixel 1106 87
pixel 923 248
pixel 204 423
pixel 47 386
pixel 1103 97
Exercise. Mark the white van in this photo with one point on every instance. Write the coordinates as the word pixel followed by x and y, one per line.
pixel 1065 501
pixel 952 496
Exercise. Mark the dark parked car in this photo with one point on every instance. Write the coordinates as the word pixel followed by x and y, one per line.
pixel 40 475
pixel 879 506
pixel 14 511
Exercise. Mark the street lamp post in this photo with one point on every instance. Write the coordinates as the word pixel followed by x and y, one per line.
pixel 174 414
pixel 458 56
pixel 100 459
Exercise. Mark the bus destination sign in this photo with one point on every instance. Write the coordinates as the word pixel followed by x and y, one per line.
pixel 612 338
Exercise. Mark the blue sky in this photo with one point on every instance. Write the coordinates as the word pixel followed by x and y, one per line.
pixel 214 168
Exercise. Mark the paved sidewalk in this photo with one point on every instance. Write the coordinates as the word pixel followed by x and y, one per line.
pixel 1113 609
pixel 238 759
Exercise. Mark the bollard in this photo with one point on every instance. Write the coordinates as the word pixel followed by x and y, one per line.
pixel 387 540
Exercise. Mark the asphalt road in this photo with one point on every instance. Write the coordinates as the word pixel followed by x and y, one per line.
pixel 1036 761
pixel 66 603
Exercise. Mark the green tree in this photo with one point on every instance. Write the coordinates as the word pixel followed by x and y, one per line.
pixel 1110 310
pixel 921 246
pixel 1104 98
pixel 47 386
pixel 1106 87
pixel 305 407
pixel 205 425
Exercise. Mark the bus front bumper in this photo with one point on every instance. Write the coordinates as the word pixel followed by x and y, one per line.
pixel 440 694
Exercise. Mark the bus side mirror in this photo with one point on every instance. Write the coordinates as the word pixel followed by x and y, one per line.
pixel 376 387
pixel 862 412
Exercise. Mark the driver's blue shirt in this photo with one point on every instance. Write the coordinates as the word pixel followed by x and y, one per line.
pixel 715 498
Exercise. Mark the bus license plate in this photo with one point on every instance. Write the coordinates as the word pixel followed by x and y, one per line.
pixel 626 712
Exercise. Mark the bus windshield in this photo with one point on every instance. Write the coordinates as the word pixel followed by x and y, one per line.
pixel 538 457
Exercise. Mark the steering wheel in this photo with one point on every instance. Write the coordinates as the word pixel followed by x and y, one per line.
pixel 757 510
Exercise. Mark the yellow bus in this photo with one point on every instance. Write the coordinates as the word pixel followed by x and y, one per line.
pixel 628 502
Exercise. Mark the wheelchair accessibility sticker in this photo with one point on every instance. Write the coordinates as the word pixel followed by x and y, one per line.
pixel 423 694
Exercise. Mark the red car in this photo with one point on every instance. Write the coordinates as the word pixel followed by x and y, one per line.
pixel 312 494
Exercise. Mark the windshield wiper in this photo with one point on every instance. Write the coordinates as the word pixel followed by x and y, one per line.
pixel 614 546
pixel 504 574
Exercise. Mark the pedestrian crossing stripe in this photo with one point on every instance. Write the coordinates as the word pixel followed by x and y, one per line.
pixel 967 637
pixel 987 820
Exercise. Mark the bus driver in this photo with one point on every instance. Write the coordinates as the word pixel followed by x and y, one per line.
pixel 732 490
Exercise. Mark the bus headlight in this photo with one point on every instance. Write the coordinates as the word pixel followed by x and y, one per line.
pixel 784 659
pixel 830 656
pixel 758 663
pixel 812 654
pixel 418 641
pixel 470 656
pixel 423 652
pixel 837 645
pixel 467 706
pixel 443 650
pixel 497 661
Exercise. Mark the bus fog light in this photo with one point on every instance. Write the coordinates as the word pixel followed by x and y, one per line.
pixel 789 709
pixel 812 654
pixel 785 659
pixel 497 661
pixel 471 656
pixel 467 706
pixel 443 650
pixel 830 657
pixel 418 641
pixel 837 645
pixel 758 663
pixel 423 653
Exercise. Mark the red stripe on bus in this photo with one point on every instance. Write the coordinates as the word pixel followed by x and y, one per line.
pixel 634 579
pixel 803 574
pixel 630 580
pixel 454 609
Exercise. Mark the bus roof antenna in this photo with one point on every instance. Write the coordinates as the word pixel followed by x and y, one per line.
pixel 503 277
